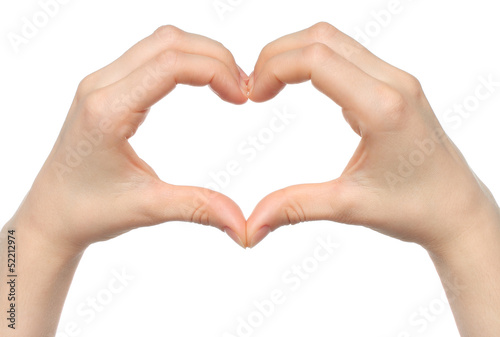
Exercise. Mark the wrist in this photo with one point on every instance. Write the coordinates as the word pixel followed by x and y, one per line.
pixel 480 238
pixel 469 269
pixel 43 274
pixel 39 234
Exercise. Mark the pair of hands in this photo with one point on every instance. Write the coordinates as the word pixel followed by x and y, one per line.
pixel 406 179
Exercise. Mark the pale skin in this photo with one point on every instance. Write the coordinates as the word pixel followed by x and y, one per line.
pixel 435 201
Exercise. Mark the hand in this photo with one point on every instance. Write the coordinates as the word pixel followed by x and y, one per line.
pixel 93 186
pixel 406 178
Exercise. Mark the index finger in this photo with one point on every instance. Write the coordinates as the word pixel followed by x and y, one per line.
pixel 151 82
pixel 163 39
pixel 336 40
pixel 359 94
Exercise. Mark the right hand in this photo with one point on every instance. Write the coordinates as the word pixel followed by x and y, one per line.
pixel 93 185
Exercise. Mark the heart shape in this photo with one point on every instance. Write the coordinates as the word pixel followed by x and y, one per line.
pixel 385 106
pixel 94 186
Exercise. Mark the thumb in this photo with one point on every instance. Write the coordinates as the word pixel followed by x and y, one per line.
pixel 333 200
pixel 198 205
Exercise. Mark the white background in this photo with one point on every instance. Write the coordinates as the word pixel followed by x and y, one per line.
pixel 190 280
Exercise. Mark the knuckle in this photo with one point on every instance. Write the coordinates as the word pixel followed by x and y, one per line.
pixel 392 104
pixel 293 217
pixel 220 45
pixel 322 31
pixel 318 53
pixel 168 33
pixel 201 207
pixel 228 56
pixel 95 103
pixel 200 215
pixel 266 52
pixel 86 86
pixel 225 55
pixel 413 86
pixel 292 209
pixel 167 59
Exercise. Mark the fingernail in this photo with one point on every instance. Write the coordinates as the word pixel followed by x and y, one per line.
pixel 234 236
pixel 243 86
pixel 259 236
pixel 251 82
pixel 242 74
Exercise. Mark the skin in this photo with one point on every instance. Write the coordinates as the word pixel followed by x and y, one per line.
pixel 115 191
pixel 112 191
pixel 437 201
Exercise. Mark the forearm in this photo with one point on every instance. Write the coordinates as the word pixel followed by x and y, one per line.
pixel 42 277
pixel 470 273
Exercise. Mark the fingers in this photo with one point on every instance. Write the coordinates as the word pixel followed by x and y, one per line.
pixel 333 201
pixel 145 86
pixel 198 205
pixel 340 43
pixel 163 39
pixel 333 75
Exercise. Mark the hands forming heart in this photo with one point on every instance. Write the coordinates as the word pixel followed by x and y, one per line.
pixel 406 179
pixel 398 181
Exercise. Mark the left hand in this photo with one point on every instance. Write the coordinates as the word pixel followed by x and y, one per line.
pixel 406 179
